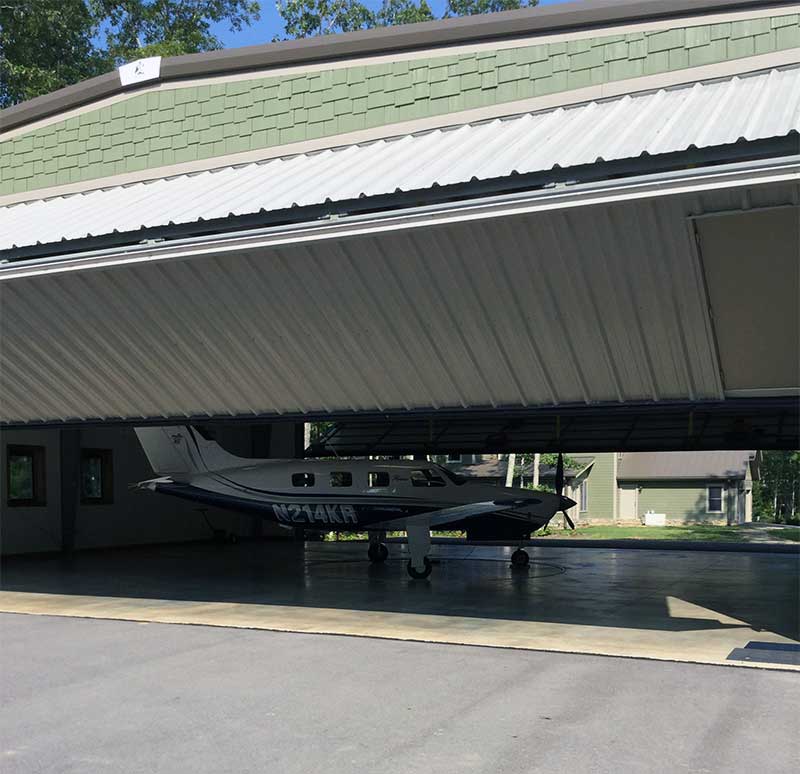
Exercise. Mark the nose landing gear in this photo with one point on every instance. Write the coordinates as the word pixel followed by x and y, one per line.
pixel 520 558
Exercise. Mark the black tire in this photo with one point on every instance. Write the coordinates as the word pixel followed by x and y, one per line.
pixel 378 553
pixel 520 558
pixel 416 574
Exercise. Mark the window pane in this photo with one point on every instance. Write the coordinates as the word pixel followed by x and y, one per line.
pixel 20 477
pixel 378 478
pixel 584 496
pixel 341 478
pixel 454 458
pixel 92 478
pixel 715 499
pixel 302 479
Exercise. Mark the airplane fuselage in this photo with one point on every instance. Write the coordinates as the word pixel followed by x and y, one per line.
pixel 347 494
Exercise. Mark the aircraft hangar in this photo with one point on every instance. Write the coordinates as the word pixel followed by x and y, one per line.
pixel 570 228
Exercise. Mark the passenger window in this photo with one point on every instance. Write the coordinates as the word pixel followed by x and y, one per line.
pixel 425 478
pixel 341 478
pixel 378 478
pixel 302 479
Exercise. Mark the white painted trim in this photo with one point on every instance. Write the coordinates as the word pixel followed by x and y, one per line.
pixel 566 197
pixel 766 392
pixel 427 53
pixel 501 110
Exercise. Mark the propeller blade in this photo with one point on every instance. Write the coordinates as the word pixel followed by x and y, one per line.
pixel 569 521
pixel 560 474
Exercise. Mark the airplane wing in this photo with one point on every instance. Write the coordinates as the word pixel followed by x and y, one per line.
pixel 446 515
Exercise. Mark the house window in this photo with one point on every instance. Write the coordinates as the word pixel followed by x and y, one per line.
pixel 97 484
pixel 302 479
pixel 25 475
pixel 584 496
pixel 454 458
pixel 341 478
pixel 378 478
pixel 715 499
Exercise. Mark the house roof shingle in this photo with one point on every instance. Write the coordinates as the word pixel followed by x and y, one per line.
pixel 634 466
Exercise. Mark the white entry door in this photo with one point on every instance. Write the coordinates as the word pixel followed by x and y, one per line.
pixel 628 503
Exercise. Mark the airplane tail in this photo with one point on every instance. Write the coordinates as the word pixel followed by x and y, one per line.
pixel 180 452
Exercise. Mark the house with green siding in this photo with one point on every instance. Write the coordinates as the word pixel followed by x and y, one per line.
pixel 704 487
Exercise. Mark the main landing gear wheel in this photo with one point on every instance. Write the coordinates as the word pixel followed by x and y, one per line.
pixel 520 558
pixel 416 574
pixel 377 553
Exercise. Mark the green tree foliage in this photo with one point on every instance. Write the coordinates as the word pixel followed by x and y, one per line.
pixel 44 45
pixel 776 495
pixel 47 44
pixel 474 7
pixel 403 12
pixel 308 18
pixel 137 28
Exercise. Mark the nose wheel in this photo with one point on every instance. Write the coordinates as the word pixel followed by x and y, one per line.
pixel 378 553
pixel 420 574
pixel 520 558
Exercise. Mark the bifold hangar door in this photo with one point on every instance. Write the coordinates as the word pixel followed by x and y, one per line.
pixel 606 294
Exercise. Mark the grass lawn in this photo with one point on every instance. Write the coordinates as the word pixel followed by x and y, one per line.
pixel 788 533
pixel 694 532
pixel 741 534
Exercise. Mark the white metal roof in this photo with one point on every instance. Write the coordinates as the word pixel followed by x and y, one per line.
pixel 756 106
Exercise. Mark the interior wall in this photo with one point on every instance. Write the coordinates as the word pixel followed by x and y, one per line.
pixel 134 517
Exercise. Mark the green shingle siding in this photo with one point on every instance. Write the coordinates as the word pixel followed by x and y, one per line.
pixel 602 488
pixel 191 123
pixel 683 502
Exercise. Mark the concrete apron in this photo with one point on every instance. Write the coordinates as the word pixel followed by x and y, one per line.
pixel 698 646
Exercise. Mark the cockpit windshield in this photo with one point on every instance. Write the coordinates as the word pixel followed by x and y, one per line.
pixel 454 478
pixel 426 477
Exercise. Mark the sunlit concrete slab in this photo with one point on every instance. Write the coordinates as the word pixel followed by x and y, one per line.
pixel 670 605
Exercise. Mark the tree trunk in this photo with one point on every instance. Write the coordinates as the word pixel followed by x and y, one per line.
pixel 512 461
pixel 536 458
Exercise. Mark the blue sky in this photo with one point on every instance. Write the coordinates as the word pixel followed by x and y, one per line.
pixel 270 24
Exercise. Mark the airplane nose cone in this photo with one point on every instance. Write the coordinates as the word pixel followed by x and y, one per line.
pixel 566 504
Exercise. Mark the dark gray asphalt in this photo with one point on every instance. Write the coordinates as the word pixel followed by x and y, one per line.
pixel 96 696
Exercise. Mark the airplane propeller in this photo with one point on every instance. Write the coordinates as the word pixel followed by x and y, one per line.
pixel 560 487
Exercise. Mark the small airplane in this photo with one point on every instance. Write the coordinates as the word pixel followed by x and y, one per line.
pixel 358 495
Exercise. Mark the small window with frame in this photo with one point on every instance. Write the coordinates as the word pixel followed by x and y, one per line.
pixel 378 479
pixel 715 499
pixel 454 458
pixel 341 478
pixel 25 476
pixel 303 479
pixel 97 477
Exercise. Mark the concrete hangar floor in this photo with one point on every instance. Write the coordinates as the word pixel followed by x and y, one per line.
pixel 98 675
